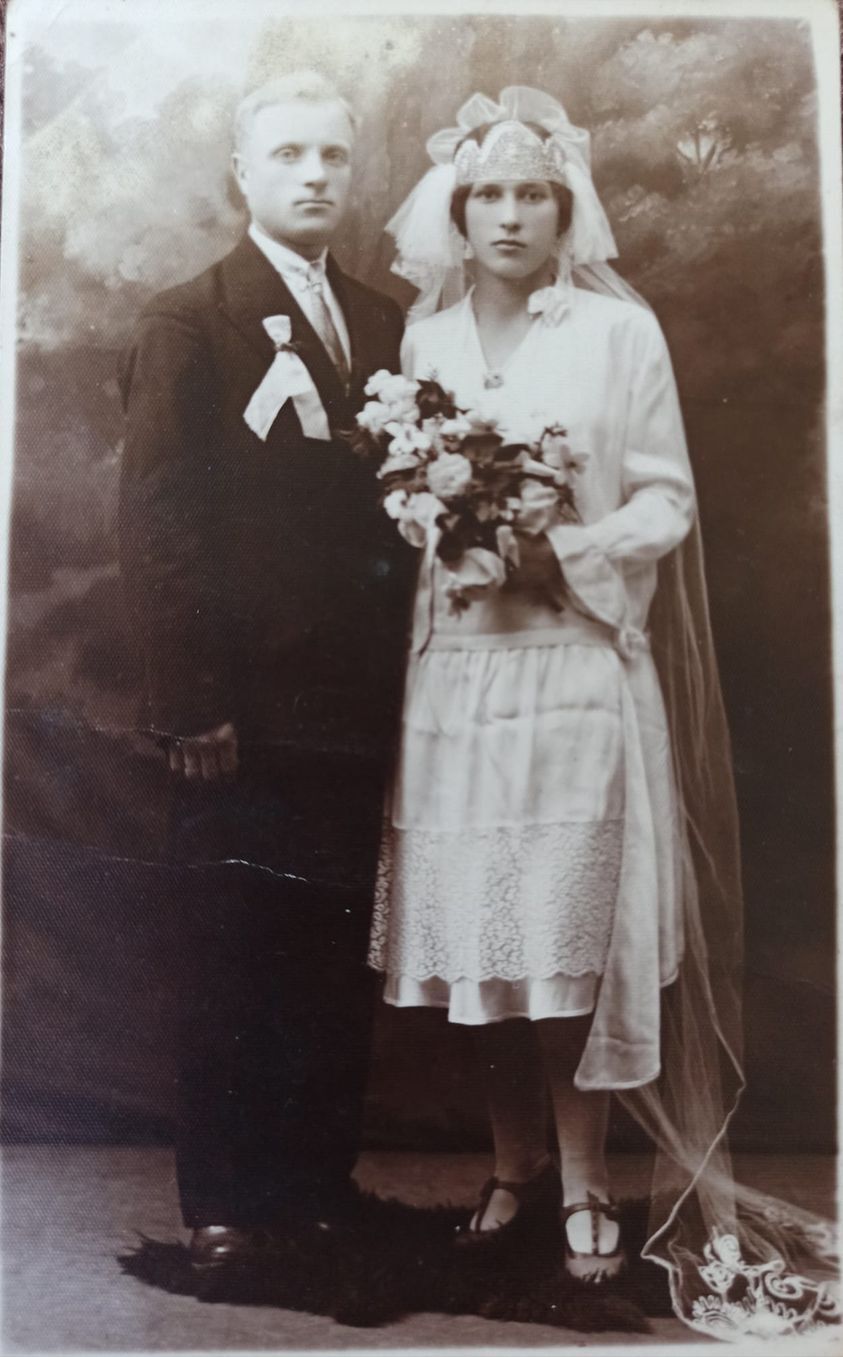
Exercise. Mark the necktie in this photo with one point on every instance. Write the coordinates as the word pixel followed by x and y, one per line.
pixel 323 323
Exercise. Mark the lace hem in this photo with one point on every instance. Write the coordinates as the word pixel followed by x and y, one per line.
pixel 737 1299
pixel 532 901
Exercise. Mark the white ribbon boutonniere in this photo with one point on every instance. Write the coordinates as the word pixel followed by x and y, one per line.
pixel 286 379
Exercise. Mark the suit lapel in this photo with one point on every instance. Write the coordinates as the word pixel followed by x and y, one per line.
pixel 252 290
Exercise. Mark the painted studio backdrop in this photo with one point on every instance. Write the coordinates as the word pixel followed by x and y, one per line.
pixel 705 155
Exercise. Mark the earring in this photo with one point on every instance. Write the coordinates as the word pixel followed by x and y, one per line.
pixel 467 250
pixel 564 260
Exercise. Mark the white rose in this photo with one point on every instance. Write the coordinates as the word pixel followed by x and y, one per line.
pixel 425 508
pixel 455 429
pixel 403 411
pixel 449 475
pixel 379 382
pixel 406 438
pixel 374 416
pixel 395 503
pixel 372 387
pixel 392 388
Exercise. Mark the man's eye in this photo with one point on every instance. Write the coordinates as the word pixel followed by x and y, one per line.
pixel 287 153
pixel 335 155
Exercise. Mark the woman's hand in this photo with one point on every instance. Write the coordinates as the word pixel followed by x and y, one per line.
pixel 539 507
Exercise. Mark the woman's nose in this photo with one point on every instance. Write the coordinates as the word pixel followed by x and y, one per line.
pixel 510 213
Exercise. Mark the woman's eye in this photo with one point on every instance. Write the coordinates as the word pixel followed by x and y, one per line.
pixel 336 156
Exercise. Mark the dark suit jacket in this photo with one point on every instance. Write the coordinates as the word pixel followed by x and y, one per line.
pixel 266 584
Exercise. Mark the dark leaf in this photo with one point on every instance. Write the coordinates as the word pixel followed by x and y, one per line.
pixel 432 399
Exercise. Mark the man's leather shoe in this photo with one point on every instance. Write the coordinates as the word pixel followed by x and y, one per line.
pixel 216 1246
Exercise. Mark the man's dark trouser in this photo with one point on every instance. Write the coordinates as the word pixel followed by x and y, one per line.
pixel 275 999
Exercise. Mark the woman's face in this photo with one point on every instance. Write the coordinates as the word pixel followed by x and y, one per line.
pixel 512 226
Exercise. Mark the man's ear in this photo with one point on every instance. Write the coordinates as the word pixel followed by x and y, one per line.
pixel 238 169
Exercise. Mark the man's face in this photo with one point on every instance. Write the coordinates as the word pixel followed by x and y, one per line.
pixel 294 170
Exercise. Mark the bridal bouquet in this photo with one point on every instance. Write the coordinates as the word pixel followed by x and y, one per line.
pixel 450 477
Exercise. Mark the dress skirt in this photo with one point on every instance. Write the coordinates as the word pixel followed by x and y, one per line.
pixel 502 851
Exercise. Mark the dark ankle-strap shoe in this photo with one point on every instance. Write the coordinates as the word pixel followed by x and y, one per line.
pixel 594 1267
pixel 537 1200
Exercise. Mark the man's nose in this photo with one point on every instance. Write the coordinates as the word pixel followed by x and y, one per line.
pixel 312 167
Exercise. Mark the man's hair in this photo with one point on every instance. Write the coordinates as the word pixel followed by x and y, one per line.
pixel 300 86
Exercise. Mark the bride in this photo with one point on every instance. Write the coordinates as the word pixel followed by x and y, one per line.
pixel 560 867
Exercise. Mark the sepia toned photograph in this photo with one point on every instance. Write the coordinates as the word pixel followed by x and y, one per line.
pixel 419 814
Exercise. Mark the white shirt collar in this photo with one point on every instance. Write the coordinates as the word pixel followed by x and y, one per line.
pixel 284 260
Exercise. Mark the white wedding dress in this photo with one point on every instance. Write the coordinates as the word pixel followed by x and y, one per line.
pixel 531 861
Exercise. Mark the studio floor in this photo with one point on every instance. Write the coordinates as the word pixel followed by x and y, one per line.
pixel 68 1213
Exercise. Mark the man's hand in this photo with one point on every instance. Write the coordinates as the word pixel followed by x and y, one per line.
pixel 205 757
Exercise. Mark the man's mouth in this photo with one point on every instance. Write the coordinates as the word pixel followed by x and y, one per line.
pixel 314 202
pixel 508 244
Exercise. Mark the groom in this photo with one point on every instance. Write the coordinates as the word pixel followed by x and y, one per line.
pixel 269 593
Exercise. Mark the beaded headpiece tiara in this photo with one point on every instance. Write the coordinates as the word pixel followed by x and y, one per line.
pixel 511 151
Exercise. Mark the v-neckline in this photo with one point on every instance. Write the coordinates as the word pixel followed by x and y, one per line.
pixel 490 371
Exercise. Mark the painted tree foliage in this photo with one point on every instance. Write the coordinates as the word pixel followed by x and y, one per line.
pixel 703 139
